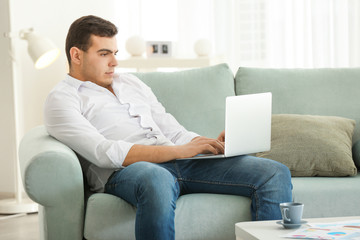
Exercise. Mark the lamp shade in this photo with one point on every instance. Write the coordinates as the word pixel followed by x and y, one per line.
pixel 42 50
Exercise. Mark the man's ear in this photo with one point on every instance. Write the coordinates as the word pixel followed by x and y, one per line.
pixel 76 55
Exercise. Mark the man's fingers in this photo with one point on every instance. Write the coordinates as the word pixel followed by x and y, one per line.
pixel 217 145
pixel 210 149
pixel 221 136
pixel 211 145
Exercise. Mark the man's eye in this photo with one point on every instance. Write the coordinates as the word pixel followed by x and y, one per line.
pixel 103 54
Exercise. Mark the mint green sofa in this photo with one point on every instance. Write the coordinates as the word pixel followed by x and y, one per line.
pixel 53 177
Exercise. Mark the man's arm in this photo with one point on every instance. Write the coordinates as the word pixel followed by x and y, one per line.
pixel 159 154
pixel 65 122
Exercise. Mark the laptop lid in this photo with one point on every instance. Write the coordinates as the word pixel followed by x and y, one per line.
pixel 248 124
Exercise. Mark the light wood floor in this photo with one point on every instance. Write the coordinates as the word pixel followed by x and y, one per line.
pixel 19 228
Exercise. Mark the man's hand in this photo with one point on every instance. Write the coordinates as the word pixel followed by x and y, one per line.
pixel 221 137
pixel 158 154
pixel 201 145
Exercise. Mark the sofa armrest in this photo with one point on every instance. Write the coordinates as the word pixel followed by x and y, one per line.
pixel 52 177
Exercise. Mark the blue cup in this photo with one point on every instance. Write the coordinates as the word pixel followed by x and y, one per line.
pixel 291 212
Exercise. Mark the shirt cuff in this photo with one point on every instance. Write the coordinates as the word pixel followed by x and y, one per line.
pixel 118 152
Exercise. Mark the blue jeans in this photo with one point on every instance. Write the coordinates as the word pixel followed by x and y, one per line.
pixel 154 188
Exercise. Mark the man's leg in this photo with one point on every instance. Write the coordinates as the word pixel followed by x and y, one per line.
pixel 154 191
pixel 265 181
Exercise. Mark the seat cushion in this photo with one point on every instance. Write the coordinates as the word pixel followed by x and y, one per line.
pixel 197 216
pixel 328 196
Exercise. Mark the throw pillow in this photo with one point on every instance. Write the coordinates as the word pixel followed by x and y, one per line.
pixel 312 145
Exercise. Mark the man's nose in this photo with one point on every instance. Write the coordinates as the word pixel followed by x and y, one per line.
pixel 113 62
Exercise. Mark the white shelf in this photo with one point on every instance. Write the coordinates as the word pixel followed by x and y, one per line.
pixel 141 63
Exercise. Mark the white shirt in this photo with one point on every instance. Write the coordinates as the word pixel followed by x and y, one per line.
pixel 102 127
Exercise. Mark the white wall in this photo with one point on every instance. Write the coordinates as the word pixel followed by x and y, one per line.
pixel 50 18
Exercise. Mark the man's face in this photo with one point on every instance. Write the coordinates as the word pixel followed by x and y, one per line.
pixel 98 62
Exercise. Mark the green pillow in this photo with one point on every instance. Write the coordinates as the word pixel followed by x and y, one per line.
pixel 312 145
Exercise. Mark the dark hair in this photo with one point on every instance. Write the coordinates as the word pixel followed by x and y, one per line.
pixel 81 30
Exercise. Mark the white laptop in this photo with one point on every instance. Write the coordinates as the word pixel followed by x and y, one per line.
pixel 247 125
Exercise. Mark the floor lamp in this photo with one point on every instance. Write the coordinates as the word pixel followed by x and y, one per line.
pixel 43 52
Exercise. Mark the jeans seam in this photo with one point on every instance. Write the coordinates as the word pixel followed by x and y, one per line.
pixel 219 183
pixel 256 196
pixel 257 205
pixel 177 178
pixel 176 188
pixel 177 171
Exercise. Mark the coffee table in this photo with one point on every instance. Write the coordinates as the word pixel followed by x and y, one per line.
pixel 270 230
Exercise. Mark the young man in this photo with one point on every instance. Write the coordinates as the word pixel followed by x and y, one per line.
pixel 131 144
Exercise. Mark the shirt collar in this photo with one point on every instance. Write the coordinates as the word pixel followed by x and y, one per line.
pixel 76 83
pixel 73 82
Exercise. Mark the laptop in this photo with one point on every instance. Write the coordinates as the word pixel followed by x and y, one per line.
pixel 247 125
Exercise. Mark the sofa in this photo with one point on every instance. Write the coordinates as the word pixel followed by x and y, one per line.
pixel 53 177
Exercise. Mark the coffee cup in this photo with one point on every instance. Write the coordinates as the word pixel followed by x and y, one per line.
pixel 291 212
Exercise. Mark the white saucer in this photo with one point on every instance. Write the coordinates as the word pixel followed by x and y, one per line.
pixel 291 225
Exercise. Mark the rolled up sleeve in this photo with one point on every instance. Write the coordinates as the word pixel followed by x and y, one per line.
pixel 64 121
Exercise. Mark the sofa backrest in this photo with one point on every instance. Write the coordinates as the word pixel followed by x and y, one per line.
pixel 196 97
pixel 329 92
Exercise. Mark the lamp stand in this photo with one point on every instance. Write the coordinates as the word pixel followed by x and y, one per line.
pixel 18 204
pixel 11 206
